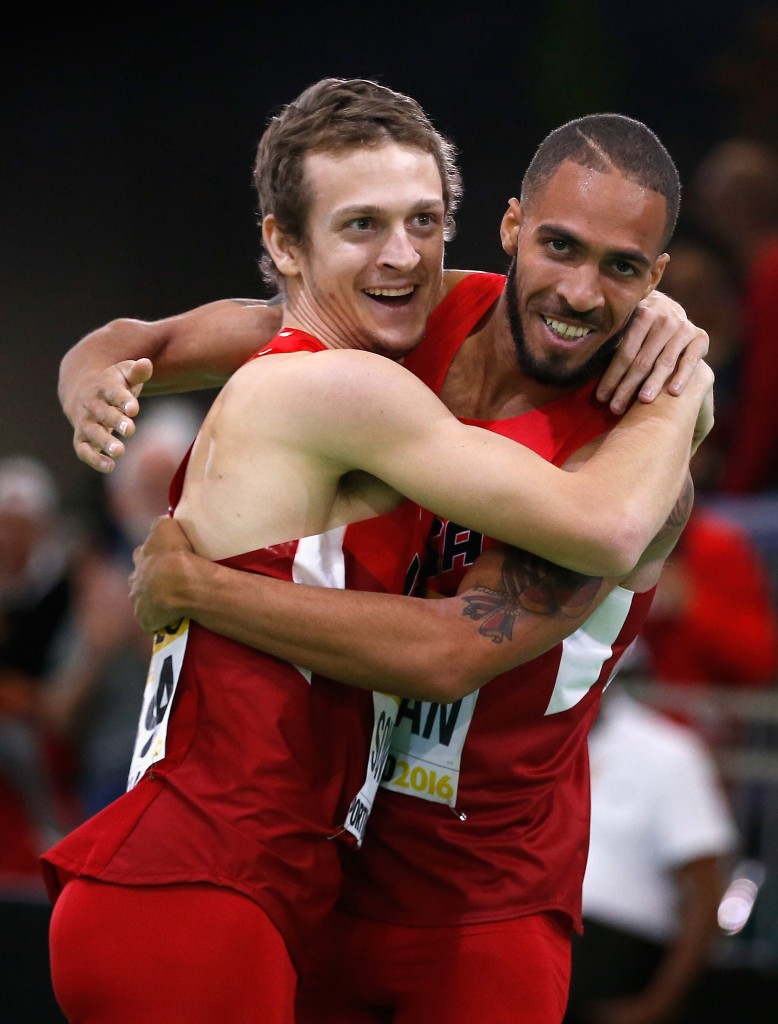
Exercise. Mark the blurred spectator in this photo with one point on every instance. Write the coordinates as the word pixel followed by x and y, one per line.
pixel 713 620
pixel 37 578
pixel 96 696
pixel 744 73
pixel 662 833
pixel 72 668
pixel 734 195
pixel 701 277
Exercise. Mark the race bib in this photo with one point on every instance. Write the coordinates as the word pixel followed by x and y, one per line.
pixel 384 715
pixel 166 659
pixel 426 749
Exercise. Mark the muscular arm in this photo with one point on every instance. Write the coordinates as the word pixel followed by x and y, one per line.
pixel 102 375
pixel 511 607
pixel 100 378
pixel 598 520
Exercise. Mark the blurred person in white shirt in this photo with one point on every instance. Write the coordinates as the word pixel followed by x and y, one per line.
pixel 662 833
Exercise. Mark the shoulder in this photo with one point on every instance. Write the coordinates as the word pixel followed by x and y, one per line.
pixel 451 279
pixel 348 383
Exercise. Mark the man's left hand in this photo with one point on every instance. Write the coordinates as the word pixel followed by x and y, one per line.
pixel 159 581
pixel 661 346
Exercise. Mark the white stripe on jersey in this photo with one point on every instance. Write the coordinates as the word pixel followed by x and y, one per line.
pixel 319 562
pixel 586 650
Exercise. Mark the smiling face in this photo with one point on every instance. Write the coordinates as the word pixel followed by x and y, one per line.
pixel 368 270
pixel 587 249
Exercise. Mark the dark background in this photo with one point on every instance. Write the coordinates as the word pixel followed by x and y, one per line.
pixel 128 139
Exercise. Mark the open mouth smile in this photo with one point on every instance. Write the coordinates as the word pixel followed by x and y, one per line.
pixel 391 296
pixel 568 332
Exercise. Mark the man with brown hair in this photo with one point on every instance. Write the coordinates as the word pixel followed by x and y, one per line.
pixel 361 275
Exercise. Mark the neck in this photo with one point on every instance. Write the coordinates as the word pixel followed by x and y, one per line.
pixel 485 382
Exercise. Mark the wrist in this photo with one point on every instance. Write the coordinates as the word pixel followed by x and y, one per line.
pixel 197 578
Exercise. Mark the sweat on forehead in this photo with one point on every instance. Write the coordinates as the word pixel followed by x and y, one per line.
pixel 608 143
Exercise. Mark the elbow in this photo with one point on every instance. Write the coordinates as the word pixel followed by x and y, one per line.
pixel 123 323
pixel 451 678
pixel 630 547
pixel 447 687
pixel 457 685
pixel 447 660
pixel 620 544
pixel 133 333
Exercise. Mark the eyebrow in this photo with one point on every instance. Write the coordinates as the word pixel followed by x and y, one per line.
pixel 371 210
pixel 628 255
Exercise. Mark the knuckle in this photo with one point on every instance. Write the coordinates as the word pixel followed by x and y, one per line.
pixel 628 349
pixel 644 361
pixel 95 435
pixel 667 357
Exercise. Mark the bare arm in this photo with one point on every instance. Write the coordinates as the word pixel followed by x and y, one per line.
pixel 101 377
pixel 511 608
pixel 597 521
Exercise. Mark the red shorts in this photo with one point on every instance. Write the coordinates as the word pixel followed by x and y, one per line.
pixel 365 972
pixel 182 954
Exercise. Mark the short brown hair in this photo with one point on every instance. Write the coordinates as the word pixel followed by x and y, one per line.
pixel 336 114
pixel 604 142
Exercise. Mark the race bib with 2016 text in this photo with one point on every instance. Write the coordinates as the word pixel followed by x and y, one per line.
pixel 426 750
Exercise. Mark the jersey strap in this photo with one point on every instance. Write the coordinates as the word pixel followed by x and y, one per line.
pixel 450 323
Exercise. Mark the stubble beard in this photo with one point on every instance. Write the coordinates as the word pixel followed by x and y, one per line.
pixel 551 370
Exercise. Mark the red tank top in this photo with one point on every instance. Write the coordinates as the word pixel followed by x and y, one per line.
pixel 261 760
pixel 485 813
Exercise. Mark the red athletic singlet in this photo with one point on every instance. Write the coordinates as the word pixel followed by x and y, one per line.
pixel 485 815
pixel 245 766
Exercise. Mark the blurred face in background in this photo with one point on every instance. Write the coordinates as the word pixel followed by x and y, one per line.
pixel 698 279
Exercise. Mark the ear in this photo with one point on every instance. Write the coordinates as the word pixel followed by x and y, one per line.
pixel 657 269
pixel 509 227
pixel 282 250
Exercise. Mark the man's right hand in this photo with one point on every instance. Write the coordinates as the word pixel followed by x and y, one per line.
pixel 164 567
pixel 101 376
pixel 105 406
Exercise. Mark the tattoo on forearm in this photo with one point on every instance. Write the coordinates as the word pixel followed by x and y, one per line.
pixel 680 512
pixel 529 584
